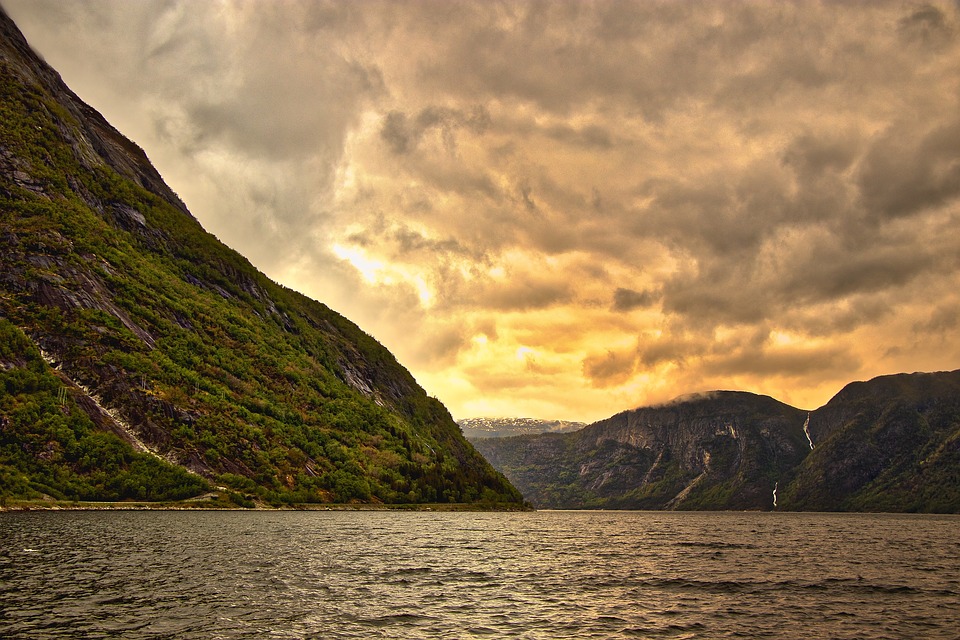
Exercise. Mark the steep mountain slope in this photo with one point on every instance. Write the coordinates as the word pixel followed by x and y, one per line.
pixel 720 450
pixel 128 327
pixel 889 444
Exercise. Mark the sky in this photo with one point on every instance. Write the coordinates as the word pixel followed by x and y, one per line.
pixel 563 210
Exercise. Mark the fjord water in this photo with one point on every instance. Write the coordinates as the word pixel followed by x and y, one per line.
pixel 369 574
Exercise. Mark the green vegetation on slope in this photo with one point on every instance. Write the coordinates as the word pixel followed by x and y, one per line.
pixel 888 444
pixel 202 357
pixel 48 445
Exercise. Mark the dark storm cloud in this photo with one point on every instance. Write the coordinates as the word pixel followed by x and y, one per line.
pixel 286 117
pixel 610 368
pixel 815 154
pixel 402 134
pixel 529 293
pixel 677 348
pixel 912 167
pixel 928 26
pixel 720 221
pixel 406 242
pixel 943 321
pixel 823 270
pixel 409 241
pixel 592 136
pixel 828 275
pixel 780 362
pixel 745 192
pixel 397 133
pixel 627 299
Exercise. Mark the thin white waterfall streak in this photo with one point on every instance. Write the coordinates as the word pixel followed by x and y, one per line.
pixel 776 484
pixel 806 431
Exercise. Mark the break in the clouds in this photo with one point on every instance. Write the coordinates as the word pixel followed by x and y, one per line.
pixel 565 209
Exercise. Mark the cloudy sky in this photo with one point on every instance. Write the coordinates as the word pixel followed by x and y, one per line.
pixel 565 209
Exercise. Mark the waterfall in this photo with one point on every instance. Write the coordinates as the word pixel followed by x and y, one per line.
pixel 806 431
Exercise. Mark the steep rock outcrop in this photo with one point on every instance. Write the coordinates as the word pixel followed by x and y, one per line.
pixel 720 450
pixel 887 444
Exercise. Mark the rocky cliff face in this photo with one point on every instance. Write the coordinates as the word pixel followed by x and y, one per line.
pixel 889 444
pixel 150 329
pixel 724 448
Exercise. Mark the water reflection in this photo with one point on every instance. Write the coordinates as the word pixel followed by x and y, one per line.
pixel 428 575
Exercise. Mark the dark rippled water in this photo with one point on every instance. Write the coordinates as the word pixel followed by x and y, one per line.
pixel 462 575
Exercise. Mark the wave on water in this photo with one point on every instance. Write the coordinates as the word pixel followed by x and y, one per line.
pixel 295 575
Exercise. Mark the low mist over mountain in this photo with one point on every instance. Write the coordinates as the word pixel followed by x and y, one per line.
pixel 503 427
pixel 890 444
pixel 142 358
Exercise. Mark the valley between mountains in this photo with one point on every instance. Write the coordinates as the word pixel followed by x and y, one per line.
pixel 141 359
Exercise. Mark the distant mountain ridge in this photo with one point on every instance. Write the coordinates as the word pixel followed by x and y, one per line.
pixel 503 427
pixel 887 444
pixel 140 358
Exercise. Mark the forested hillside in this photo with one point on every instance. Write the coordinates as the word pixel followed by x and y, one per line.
pixel 142 358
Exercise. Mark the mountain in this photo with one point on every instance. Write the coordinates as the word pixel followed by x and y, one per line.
pixel 474 428
pixel 141 358
pixel 721 448
pixel 889 444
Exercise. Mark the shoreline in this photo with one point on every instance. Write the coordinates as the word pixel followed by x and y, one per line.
pixel 22 506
